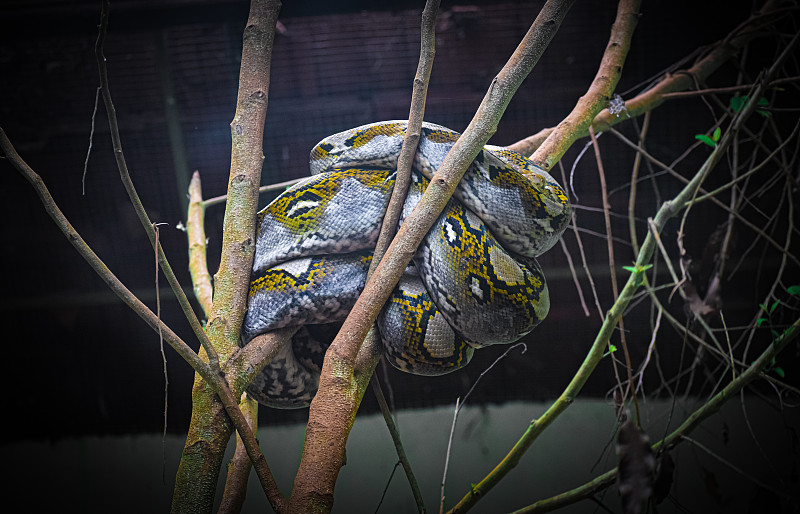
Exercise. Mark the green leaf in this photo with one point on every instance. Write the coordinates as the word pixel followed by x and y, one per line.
pixel 774 333
pixel 717 133
pixel 763 307
pixel 705 139
pixel 612 348
pixel 637 269
pixel 737 102
pixel 763 102
pixel 772 307
pixel 794 290
pixel 779 371
pixel 759 321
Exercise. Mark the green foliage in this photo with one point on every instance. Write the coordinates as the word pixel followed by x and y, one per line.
pixel 769 310
pixel 710 141
pixel 638 272
pixel 738 103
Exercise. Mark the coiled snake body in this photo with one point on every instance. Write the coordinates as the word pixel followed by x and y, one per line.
pixel 473 282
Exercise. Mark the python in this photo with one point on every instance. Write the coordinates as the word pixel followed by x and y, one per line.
pixel 473 282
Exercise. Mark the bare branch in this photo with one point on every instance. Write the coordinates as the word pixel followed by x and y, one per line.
pixel 653 97
pixel 195 231
pixel 599 92
pixel 333 407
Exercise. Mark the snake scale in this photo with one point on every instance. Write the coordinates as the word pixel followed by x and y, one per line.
pixel 473 282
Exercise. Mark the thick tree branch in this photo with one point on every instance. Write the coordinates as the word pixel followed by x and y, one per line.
pixel 655 96
pixel 209 430
pixel 369 349
pixel 599 93
pixel 333 408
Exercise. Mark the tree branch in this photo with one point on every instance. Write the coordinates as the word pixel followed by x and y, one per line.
pixel 652 98
pixel 138 207
pixel 676 436
pixel 209 430
pixel 667 210
pixel 333 409
pixel 599 92
pixel 96 263
pixel 195 232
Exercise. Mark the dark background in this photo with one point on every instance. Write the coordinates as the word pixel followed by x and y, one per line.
pixel 78 356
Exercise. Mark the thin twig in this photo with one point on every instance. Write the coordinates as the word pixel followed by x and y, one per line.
pixel 94 261
pixel 574 274
pixel 613 272
pixel 603 481
pixel 164 361
pixel 401 453
pixel 138 207
pixel 667 210
pixel 335 404
pixel 637 161
pixel 459 404
pixel 582 252
pixel 395 208
pixel 91 140
pixel 280 186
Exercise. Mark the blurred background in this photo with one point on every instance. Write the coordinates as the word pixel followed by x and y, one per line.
pixel 83 364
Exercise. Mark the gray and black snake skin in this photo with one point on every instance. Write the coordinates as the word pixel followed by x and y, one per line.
pixel 473 282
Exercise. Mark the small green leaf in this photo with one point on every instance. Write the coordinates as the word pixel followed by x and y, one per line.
pixel 759 321
pixel 763 307
pixel 773 306
pixel 763 102
pixel 705 139
pixel 717 133
pixel 779 371
pixel 612 348
pixel 737 102
pixel 794 290
pixel 774 333
pixel 637 268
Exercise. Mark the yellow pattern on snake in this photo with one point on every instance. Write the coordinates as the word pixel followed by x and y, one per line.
pixel 473 282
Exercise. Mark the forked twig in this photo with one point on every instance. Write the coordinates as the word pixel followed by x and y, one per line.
pixel 335 402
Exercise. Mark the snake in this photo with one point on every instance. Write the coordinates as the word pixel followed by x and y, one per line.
pixel 473 282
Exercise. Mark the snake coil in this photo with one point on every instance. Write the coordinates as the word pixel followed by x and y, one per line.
pixel 473 282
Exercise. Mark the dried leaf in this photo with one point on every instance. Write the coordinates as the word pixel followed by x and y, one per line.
pixel 636 468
